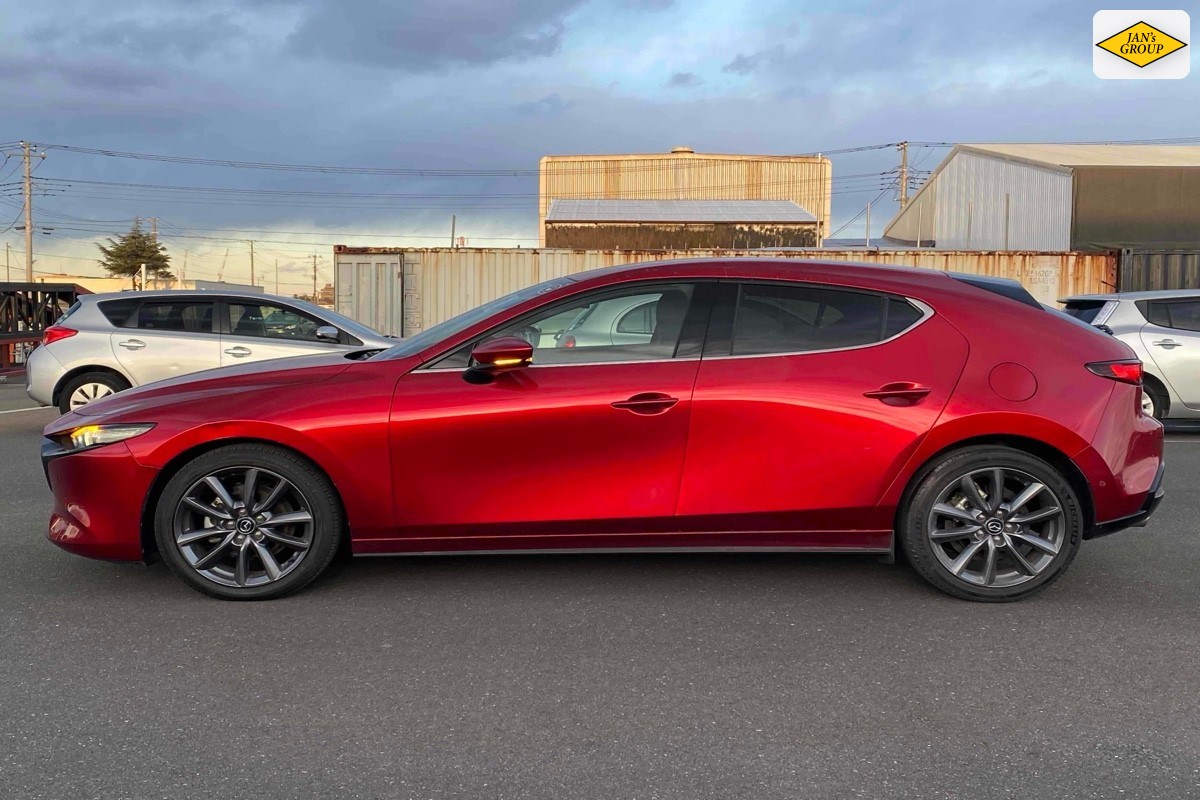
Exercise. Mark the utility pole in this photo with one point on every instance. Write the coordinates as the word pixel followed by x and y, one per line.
pixel 453 225
pixel 868 225
pixel 183 270
pixel 314 277
pixel 7 270
pixel 277 276
pixel 154 229
pixel 251 262
pixel 27 156
pixel 903 173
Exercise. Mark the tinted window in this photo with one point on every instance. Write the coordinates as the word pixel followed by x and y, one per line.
pixel 901 315
pixel 272 322
pixel 1085 310
pixel 118 312
pixel 1185 315
pixel 639 320
pixel 795 319
pixel 1157 314
pixel 183 316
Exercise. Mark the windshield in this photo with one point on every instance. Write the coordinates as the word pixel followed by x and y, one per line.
pixel 444 330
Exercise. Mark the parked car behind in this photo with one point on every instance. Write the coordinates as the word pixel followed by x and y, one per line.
pixel 1163 328
pixel 107 343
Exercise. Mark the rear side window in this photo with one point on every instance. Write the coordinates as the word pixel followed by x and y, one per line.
pixel 773 318
pixel 179 316
pixel 118 312
pixel 1182 315
pixel 639 320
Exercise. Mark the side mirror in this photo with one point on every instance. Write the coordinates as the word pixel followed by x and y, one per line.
pixel 503 354
pixel 328 333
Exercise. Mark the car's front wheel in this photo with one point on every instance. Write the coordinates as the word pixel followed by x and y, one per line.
pixel 992 524
pixel 248 522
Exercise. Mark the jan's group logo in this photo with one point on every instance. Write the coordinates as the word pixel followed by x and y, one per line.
pixel 1141 44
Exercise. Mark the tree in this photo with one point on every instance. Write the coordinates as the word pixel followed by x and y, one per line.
pixel 125 256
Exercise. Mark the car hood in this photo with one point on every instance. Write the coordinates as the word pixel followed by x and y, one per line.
pixel 197 385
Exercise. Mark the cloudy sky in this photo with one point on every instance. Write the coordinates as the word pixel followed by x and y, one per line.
pixel 462 86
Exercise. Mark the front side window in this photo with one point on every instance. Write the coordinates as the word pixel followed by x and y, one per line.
pixel 599 327
pixel 272 322
pixel 179 316
pixel 777 318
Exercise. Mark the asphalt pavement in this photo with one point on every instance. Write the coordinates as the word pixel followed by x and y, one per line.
pixel 632 676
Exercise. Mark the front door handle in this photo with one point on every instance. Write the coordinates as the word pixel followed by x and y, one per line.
pixel 1168 343
pixel 239 351
pixel 900 393
pixel 132 344
pixel 647 403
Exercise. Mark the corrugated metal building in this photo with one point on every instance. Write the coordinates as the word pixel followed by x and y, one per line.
pixel 402 291
pixel 684 174
pixel 1057 197
pixel 678 224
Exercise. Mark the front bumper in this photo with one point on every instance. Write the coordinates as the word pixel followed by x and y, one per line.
pixel 1153 500
pixel 99 496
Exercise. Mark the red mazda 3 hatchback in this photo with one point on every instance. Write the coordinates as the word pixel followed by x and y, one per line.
pixel 693 405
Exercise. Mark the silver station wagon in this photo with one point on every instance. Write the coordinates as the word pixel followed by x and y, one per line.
pixel 107 343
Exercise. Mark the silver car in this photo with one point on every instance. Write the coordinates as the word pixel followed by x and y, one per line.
pixel 109 342
pixel 1163 328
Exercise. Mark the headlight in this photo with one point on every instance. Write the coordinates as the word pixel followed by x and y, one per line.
pixel 89 436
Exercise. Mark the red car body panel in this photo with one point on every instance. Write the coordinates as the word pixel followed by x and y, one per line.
pixel 779 451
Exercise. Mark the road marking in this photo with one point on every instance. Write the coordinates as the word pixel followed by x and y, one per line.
pixel 21 410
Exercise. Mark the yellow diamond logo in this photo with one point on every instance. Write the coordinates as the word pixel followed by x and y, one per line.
pixel 1141 44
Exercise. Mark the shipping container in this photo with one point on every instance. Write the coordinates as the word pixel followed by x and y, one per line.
pixel 404 291
pixel 686 175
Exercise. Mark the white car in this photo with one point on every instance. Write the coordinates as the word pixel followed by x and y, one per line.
pixel 1163 328
pixel 106 343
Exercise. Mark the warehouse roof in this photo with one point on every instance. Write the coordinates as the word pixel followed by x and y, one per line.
pixel 1094 155
pixel 677 211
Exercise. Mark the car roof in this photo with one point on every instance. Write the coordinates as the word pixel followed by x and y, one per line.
pixel 1158 294
pixel 187 293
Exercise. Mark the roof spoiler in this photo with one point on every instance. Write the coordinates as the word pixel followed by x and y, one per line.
pixel 1005 287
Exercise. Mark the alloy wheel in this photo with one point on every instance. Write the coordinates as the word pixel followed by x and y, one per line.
pixel 243 527
pixel 996 527
pixel 87 392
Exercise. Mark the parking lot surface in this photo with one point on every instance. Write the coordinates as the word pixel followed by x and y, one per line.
pixel 631 676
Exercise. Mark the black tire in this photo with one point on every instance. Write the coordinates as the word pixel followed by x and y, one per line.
pixel 1158 399
pixel 324 532
pixel 916 523
pixel 113 382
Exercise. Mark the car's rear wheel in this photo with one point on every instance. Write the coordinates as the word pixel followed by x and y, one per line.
pixel 992 524
pixel 90 386
pixel 1154 401
pixel 248 522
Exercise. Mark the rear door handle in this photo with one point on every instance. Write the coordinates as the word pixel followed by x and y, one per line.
pixel 239 351
pixel 132 344
pixel 647 403
pixel 1168 343
pixel 900 393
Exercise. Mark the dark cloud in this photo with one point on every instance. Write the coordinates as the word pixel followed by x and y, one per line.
pixel 431 35
pixel 551 104
pixel 683 80
pixel 139 39
pixel 91 74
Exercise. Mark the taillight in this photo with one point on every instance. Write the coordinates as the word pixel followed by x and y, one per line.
pixel 1123 371
pixel 56 333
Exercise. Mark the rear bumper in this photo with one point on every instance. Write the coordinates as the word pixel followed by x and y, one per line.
pixel 42 371
pixel 1153 499
pixel 98 500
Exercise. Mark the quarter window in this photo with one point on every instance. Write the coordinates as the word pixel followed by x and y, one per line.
pixel 775 318
pixel 179 316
